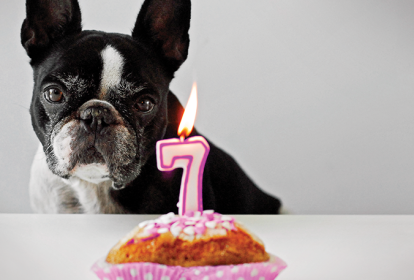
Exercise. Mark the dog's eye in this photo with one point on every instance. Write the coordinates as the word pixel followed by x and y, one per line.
pixel 54 95
pixel 145 105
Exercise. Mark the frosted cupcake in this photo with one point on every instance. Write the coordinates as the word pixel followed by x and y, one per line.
pixel 198 245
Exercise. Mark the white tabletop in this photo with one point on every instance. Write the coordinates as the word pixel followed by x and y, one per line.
pixel 63 247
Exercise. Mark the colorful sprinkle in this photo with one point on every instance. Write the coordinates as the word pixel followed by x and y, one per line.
pixel 189 230
pixel 150 237
pixel 162 230
pixel 176 230
pixel 211 224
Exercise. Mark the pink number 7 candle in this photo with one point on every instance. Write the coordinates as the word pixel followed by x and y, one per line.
pixel 187 153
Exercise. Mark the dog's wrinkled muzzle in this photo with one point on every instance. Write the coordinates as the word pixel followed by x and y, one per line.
pixel 99 135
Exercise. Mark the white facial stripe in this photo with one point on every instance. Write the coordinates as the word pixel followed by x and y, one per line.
pixel 113 64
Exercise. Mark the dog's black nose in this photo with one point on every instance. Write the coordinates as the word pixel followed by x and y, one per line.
pixel 95 118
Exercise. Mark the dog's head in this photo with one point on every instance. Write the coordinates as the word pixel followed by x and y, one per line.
pixel 100 99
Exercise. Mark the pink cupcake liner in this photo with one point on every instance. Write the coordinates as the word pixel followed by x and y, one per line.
pixel 151 271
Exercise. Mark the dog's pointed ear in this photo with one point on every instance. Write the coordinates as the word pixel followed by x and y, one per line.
pixel 47 22
pixel 164 24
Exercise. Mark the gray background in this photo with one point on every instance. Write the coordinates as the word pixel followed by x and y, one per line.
pixel 313 98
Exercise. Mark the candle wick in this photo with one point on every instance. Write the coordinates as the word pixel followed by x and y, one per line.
pixel 182 137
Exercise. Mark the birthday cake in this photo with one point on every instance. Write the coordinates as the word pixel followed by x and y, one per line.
pixel 194 246
pixel 195 239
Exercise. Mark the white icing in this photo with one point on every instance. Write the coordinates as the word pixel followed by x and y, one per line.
pixel 192 225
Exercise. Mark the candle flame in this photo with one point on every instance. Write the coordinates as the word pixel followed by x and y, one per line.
pixel 188 119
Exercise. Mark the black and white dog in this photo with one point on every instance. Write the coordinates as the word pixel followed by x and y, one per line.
pixel 100 103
